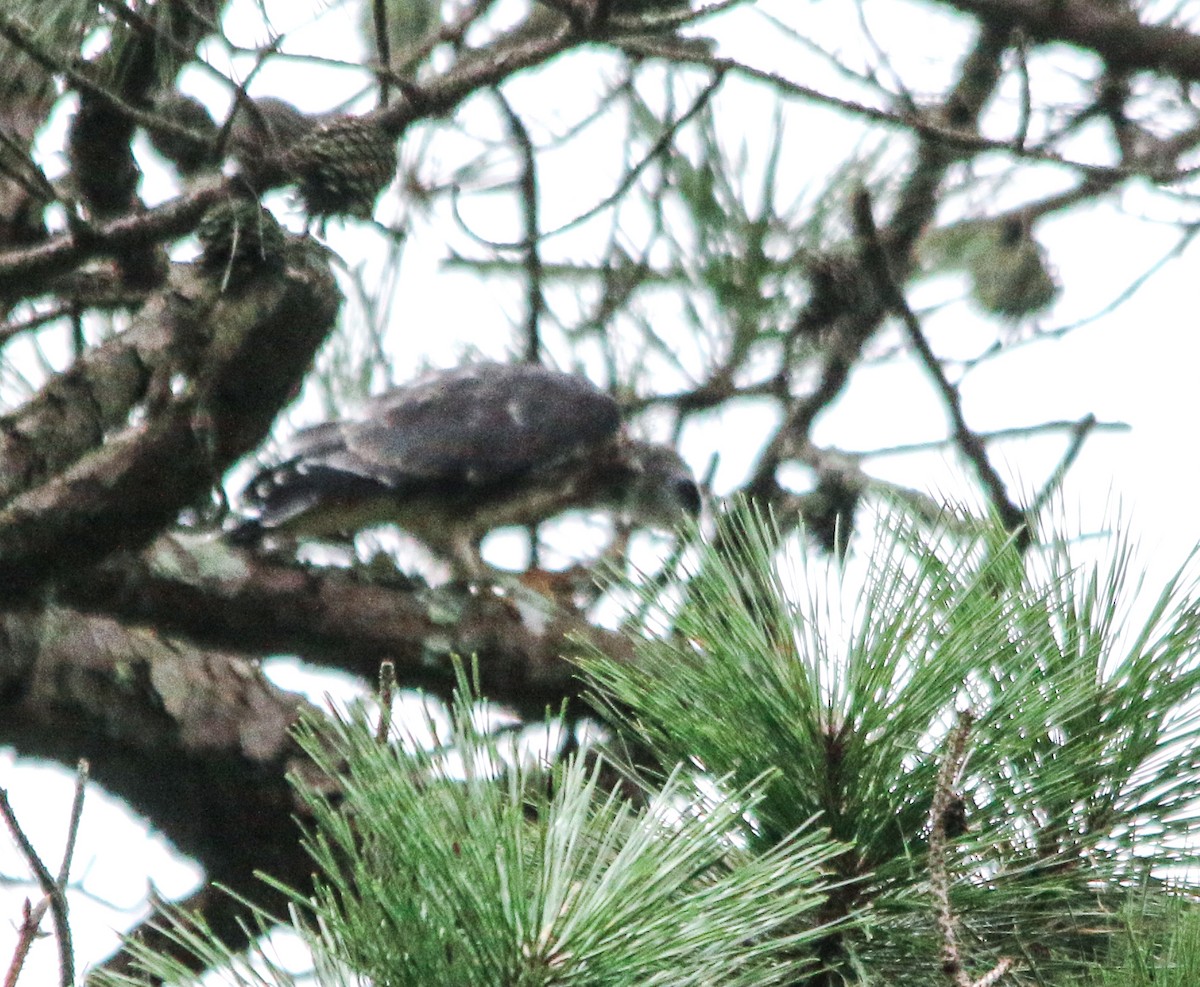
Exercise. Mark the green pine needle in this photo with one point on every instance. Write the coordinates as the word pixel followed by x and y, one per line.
pixel 1082 763
pixel 473 864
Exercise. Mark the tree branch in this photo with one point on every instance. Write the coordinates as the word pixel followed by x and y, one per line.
pixel 1112 31
pixel 20 270
pixel 535 299
pixel 849 331
pixel 1011 516
pixel 74 410
pixel 124 492
pixel 196 741
pixel 27 269
pixel 201 588
pixel 28 931
pixel 54 892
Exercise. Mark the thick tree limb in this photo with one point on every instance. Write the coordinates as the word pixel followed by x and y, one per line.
pixel 196 741
pixel 220 597
pixel 23 271
pixel 1112 31
pixel 262 339
pixel 73 411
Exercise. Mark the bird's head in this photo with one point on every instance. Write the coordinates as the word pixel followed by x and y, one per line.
pixel 657 488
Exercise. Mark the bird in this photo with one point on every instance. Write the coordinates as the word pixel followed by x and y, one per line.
pixel 460 452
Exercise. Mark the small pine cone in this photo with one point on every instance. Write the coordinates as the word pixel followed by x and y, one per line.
pixel 954 819
pixel 342 167
pixel 238 237
pixel 829 511
pixel 1011 277
pixel 838 288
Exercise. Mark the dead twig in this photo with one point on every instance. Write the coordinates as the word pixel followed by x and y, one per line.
pixel 946 807
pixel 971 445
pixel 53 888
pixel 27 932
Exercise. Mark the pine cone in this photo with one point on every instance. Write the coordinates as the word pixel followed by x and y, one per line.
pixel 829 511
pixel 342 166
pixel 954 819
pixel 1011 278
pixel 239 237
pixel 839 288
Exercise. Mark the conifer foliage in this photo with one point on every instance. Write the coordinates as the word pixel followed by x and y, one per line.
pixel 950 762
pixel 1078 697
pixel 469 862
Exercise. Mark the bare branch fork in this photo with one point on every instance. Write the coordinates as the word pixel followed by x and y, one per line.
pixel 27 932
pixel 54 889
pixel 436 97
pixel 657 150
pixel 971 445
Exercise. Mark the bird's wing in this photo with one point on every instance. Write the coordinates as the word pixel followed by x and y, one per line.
pixel 481 425
pixel 468 429
pixel 318 470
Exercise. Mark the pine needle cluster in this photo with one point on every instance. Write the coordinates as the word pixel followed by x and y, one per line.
pixel 468 863
pixel 1080 770
pixel 951 761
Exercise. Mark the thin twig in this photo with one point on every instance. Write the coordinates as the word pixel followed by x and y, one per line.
pixel 993 975
pixel 660 146
pixel 657 149
pixel 383 46
pixel 971 445
pixel 27 932
pixel 154 32
pixel 924 124
pixel 994 435
pixel 22 36
pixel 1078 435
pixel 939 872
pixel 30 177
pixel 81 777
pixel 535 299
pixel 50 888
pixel 387 696
pixel 1188 233
pixel 24 266
pixel 1026 104
pixel 451 33
pixel 941 809
pixel 899 90
pixel 14 328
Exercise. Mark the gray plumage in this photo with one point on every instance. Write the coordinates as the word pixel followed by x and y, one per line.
pixel 460 452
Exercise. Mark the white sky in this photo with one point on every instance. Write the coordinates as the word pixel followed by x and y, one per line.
pixel 1136 365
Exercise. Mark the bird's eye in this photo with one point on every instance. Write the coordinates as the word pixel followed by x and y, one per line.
pixel 687 494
